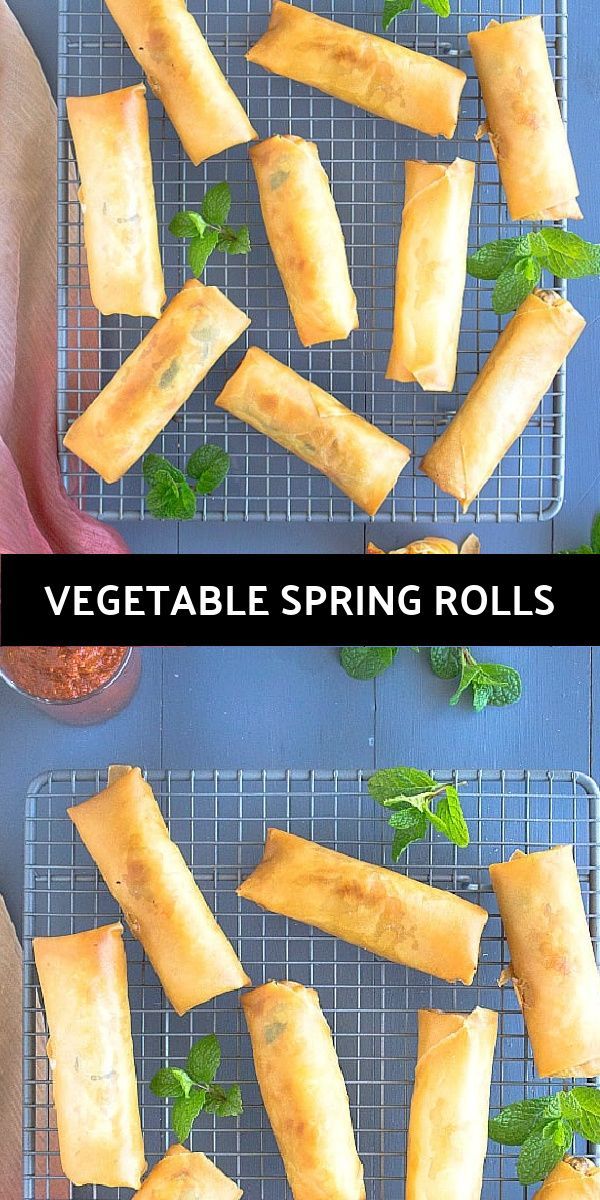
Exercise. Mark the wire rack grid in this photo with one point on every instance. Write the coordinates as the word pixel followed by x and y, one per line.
pixel 364 157
pixel 219 820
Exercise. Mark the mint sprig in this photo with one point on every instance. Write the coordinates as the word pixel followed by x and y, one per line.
pixel 517 263
pixel 545 1127
pixel 490 683
pixel 193 1089
pixel 410 795
pixel 367 662
pixel 208 230
pixel 594 543
pixel 170 496
pixel 393 8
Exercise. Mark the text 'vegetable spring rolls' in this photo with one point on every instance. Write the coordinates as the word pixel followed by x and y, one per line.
pixel 194 331
pixel 83 977
pixel 167 43
pixel 382 911
pixel 303 1091
pixel 358 458
pixel 571 1179
pixel 448 1128
pixel 524 123
pixel 183 1175
pixel 112 145
pixel 505 395
pixel 372 72
pixel 306 237
pixel 553 968
pixel 431 273
pixel 124 831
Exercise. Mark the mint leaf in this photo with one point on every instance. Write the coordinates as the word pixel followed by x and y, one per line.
pixel 235 241
pixel 409 825
pixel 542 1150
pixel 187 224
pixel 155 463
pixel 469 673
pixel 208 466
pixel 204 1059
pixel 513 1125
pixel 392 9
pixel 185 1112
pixel 392 784
pixel 515 282
pixel 200 249
pixel 216 204
pixel 440 7
pixel 596 534
pixel 504 683
pixel 581 1107
pixel 366 662
pixel 565 254
pixel 446 661
pixel 225 1103
pixel 490 260
pixel 410 793
pixel 169 497
pixel 186 1084
pixel 449 818
pixel 482 694
pixel 166 1083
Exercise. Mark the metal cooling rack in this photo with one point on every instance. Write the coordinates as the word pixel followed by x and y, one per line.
pixel 364 157
pixel 219 820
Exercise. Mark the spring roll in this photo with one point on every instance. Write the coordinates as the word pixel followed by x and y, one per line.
pixel 448 1128
pixel 360 460
pixel 431 274
pixel 166 41
pixel 303 1091
pixel 83 977
pixel 553 969
pixel 183 1175
pixel 376 74
pixel 194 331
pixel 112 144
pixel 124 831
pixel 505 395
pixel 524 124
pixel 571 1179
pixel 380 910
pixel 306 237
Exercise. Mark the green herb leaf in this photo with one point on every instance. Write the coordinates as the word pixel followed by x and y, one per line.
pixel 504 683
pixel 186 1084
pixel 166 1083
pixel 366 662
pixel 596 534
pixel 208 466
pixel 392 785
pixel 235 241
pixel 565 254
pixel 449 818
pixel 185 1111
pixel 440 7
pixel 409 825
pixel 168 497
pixel 225 1103
pixel 446 661
pixel 204 1059
pixel 512 1126
pixel 187 224
pixel 392 9
pixel 515 282
pixel 216 204
pixel 542 1150
pixel 492 259
pixel 581 1107
pixel 482 694
pixel 469 673
pixel 411 793
pixel 154 464
pixel 200 249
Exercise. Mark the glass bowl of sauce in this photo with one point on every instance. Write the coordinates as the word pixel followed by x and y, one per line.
pixel 79 685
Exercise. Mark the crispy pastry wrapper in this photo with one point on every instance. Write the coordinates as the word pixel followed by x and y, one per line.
pixel 306 237
pixel 505 395
pixel 83 977
pixel 431 273
pixel 524 123
pixel 112 144
pixel 358 458
pixel 372 72
pixel 124 831
pixel 166 41
pixel 448 1128
pixel 194 331
pixel 571 1179
pixel 303 1091
pixel 432 545
pixel 183 1175
pixel 382 911
pixel 553 968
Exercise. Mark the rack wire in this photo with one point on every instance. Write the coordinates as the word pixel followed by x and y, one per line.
pixel 364 157
pixel 219 819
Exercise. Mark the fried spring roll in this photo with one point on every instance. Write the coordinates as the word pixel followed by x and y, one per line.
pixel 358 458
pixel 524 124
pixel 124 831
pixel 194 331
pixel 431 273
pixel 571 1179
pixel 553 969
pixel 303 1091
pixel 380 910
pixel 83 977
pixel 306 237
pixel 432 545
pixel 448 1128
pixel 112 145
pixel 372 72
pixel 505 395
pixel 183 1175
pixel 165 40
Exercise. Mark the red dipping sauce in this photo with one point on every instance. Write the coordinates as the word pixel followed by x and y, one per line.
pixel 81 685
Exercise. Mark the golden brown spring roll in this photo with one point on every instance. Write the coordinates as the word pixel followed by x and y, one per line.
pixel 380 910
pixel 303 1091
pixel 358 458
pixel 524 124
pixel 83 977
pixel 112 144
pixel 553 968
pixel 571 1179
pixel 167 43
pixel 432 545
pixel 371 72
pixel 306 237
pixel 448 1128
pixel 124 831
pixel 194 331
pixel 431 273
pixel 183 1175
pixel 505 395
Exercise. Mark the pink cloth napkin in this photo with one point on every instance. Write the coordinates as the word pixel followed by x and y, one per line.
pixel 11 1075
pixel 36 515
